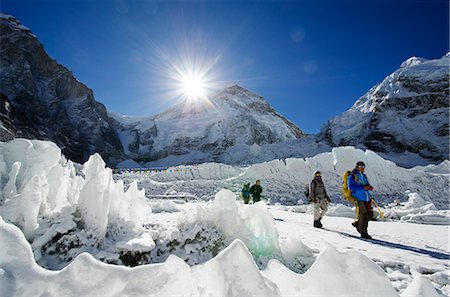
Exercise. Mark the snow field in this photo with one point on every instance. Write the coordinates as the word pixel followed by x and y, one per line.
pixel 403 250
pixel 61 211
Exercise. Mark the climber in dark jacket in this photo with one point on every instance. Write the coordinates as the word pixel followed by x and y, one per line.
pixel 256 191
pixel 319 197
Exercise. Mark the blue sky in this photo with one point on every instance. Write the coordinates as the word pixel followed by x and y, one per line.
pixel 310 59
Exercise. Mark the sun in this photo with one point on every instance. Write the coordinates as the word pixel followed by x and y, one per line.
pixel 193 86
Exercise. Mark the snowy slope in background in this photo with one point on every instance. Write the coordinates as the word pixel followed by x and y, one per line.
pixel 242 154
pixel 205 130
pixel 405 117
pixel 283 181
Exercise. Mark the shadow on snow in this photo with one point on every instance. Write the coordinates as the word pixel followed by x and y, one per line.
pixel 436 255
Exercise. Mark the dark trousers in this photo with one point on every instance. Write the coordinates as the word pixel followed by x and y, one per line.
pixel 365 214
pixel 246 198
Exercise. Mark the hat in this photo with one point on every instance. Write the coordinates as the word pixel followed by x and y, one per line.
pixel 317 172
pixel 360 163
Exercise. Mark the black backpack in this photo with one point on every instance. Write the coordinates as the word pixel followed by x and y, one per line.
pixel 306 191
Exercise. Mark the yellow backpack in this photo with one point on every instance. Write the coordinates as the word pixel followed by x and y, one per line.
pixel 346 193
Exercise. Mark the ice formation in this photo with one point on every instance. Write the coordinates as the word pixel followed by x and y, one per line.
pixel 40 187
pixel 253 224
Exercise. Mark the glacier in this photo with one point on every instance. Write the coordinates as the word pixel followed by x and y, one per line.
pixel 65 228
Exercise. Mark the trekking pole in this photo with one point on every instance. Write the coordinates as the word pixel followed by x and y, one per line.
pixel 379 210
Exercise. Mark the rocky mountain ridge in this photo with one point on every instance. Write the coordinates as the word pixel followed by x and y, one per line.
pixel 406 114
pixel 41 99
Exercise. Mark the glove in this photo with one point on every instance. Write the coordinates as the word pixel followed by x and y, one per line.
pixel 328 199
pixel 368 188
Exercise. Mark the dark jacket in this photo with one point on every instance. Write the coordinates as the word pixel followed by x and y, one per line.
pixel 256 191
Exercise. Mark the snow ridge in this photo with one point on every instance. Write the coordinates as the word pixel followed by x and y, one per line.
pixel 405 115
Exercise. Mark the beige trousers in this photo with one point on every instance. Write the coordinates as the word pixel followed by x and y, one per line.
pixel 320 209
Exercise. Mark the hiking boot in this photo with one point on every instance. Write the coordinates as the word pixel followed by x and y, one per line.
pixel 366 236
pixel 320 223
pixel 317 224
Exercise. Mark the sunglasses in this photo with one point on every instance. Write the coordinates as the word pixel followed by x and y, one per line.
pixel 361 166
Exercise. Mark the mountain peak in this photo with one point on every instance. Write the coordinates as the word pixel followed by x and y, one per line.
pixel 413 61
pixel 13 23
pixel 236 89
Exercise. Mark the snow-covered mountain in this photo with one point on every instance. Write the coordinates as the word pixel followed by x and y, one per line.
pixel 404 117
pixel 205 130
pixel 41 99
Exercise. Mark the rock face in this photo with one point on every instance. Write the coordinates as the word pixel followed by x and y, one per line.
pixel 40 99
pixel 205 129
pixel 406 114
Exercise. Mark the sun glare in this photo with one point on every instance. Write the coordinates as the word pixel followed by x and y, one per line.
pixel 193 86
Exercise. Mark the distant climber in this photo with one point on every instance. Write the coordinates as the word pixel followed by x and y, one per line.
pixel 246 193
pixel 318 195
pixel 360 188
pixel 256 191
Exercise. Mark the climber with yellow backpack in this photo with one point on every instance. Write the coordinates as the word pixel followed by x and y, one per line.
pixel 347 195
pixel 356 190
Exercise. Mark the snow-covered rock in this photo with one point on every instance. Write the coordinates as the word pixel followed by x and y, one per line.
pixel 405 117
pixel 41 99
